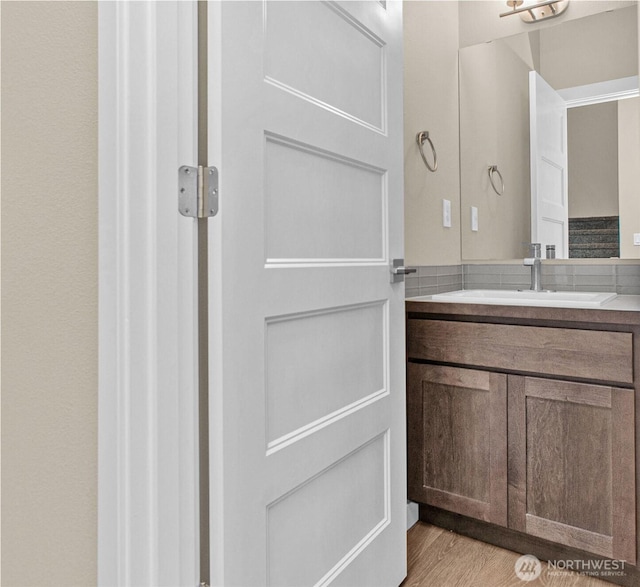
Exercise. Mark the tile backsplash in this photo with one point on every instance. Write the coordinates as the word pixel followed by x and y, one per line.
pixel 431 279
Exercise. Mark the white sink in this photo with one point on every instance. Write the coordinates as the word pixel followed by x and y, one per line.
pixel 563 299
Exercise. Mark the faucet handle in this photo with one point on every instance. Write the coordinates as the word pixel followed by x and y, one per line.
pixel 535 249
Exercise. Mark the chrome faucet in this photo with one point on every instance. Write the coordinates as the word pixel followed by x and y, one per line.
pixel 535 262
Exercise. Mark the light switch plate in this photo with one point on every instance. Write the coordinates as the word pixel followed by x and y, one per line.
pixel 446 213
pixel 636 239
pixel 474 219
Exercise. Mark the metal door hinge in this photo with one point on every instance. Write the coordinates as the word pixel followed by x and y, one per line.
pixel 198 191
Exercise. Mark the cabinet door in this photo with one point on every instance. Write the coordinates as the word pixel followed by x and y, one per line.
pixel 457 433
pixel 572 464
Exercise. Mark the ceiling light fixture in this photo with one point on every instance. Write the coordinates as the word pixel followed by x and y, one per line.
pixel 536 11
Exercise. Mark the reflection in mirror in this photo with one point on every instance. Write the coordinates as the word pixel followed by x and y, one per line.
pixel 592 139
pixel 603 182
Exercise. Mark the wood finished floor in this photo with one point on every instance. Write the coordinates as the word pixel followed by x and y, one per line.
pixel 439 558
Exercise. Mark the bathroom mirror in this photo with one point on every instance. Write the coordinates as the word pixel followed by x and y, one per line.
pixel 602 145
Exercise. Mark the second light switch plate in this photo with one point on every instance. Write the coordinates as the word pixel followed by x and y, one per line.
pixel 446 213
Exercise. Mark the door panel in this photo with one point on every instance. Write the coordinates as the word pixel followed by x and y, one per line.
pixel 354 59
pixel 339 514
pixel 308 190
pixel 306 332
pixel 305 394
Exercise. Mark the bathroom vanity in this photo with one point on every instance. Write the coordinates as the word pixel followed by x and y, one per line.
pixel 522 425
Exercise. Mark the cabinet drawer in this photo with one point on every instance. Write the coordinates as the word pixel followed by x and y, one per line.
pixel 586 354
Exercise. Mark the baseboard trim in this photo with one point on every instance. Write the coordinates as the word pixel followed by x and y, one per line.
pixel 413 513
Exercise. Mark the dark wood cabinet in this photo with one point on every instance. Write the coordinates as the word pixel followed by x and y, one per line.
pixel 571 464
pixel 528 427
pixel 458 450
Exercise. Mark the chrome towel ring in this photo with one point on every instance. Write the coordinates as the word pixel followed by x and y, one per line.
pixel 421 137
pixel 493 169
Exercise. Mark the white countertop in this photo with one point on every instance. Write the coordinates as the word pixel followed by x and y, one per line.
pixel 626 303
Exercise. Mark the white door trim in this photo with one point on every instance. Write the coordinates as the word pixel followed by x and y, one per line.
pixel 607 91
pixel 147 464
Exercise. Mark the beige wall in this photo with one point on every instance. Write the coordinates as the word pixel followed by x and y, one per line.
pixel 49 294
pixel 494 130
pixel 629 179
pixel 592 139
pixel 431 103
pixel 594 49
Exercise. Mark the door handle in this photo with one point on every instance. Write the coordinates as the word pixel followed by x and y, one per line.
pixel 398 270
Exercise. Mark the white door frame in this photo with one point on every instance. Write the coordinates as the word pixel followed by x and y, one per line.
pixel 148 434
pixel 608 91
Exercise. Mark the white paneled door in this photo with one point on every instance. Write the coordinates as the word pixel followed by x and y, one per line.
pixel 306 342
pixel 549 179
